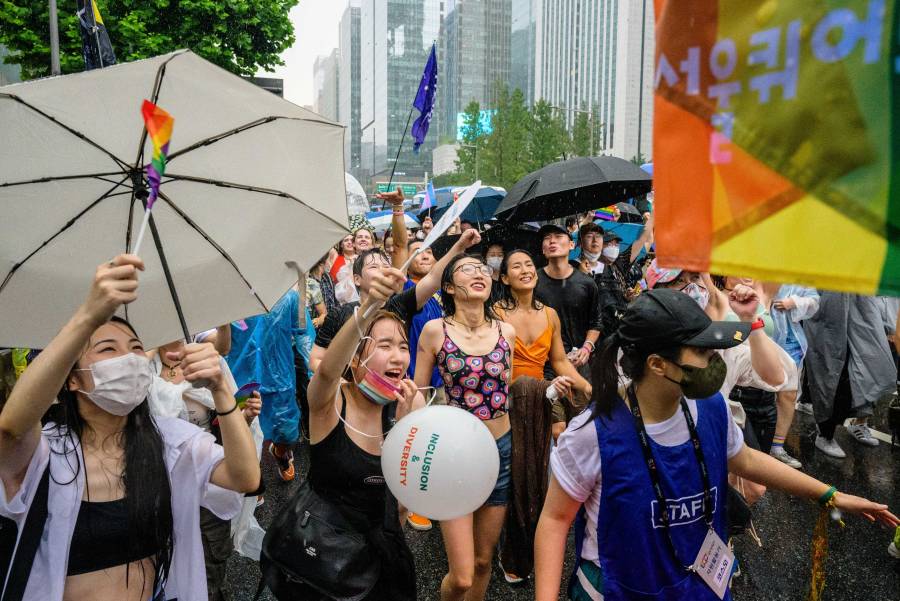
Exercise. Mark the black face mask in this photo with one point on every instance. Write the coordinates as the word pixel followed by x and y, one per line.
pixel 702 382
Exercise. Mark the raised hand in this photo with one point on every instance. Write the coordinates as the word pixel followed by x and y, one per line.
pixel 744 301
pixel 395 198
pixel 201 363
pixel 115 284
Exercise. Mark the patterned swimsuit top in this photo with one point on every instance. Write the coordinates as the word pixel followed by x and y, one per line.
pixel 477 383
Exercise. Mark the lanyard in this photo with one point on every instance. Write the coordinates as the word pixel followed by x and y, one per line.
pixel 654 472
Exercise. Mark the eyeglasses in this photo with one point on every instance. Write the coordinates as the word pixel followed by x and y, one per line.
pixel 473 268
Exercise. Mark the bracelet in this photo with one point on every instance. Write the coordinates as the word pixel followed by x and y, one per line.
pixel 397 211
pixel 232 410
pixel 826 498
pixel 758 324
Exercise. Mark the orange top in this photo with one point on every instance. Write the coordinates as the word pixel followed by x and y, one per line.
pixel 529 359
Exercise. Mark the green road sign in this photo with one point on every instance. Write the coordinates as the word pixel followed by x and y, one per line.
pixel 409 190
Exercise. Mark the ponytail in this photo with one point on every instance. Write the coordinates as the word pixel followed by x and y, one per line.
pixel 605 371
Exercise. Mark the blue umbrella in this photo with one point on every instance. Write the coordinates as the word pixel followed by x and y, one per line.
pixel 481 210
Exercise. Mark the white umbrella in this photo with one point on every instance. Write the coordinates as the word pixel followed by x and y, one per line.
pixel 381 220
pixel 357 203
pixel 252 182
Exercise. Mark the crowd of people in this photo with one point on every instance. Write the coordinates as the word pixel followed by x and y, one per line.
pixel 635 401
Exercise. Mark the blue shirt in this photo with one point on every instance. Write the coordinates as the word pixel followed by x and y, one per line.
pixel 431 310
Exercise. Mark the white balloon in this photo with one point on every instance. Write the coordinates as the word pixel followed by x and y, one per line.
pixel 440 462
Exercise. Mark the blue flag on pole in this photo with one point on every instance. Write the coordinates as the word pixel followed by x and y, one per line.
pixel 424 101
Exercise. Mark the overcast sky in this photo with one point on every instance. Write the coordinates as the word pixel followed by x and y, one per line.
pixel 316 27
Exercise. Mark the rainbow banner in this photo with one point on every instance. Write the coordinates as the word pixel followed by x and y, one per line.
pixel 774 140
pixel 159 127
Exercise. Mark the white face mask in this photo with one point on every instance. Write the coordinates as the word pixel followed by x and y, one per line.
pixel 494 262
pixel 120 383
pixel 611 253
pixel 592 257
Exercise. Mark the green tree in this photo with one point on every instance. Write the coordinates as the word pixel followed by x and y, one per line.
pixel 472 143
pixel 242 36
pixel 549 139
pixel 639 159
pixel 581 135
pixel 506 152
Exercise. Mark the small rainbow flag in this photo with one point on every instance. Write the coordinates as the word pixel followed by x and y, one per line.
pixel 606 214
pixel 159 127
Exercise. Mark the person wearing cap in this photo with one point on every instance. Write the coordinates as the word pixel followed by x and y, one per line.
pixel 590 239
pixel 665 439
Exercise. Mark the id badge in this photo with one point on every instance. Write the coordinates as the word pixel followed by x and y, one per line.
pixel 715 563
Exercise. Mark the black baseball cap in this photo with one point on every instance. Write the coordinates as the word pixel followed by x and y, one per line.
pixel 664 318
pixel 552 228
pixel 611 236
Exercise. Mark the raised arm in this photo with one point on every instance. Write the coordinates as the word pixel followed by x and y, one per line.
pixel 430 284
pixel 646 238
pixel 340 352
pixel 239 471
pixel 115 284
pixel 764 353
pixel 550 541
pixel 398 225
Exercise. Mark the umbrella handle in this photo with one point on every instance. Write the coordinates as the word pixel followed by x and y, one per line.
pixel 403 268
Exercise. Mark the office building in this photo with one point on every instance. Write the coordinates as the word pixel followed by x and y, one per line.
pixel 326 79
pixel 633 137
pixel 349 87
pixel 522 47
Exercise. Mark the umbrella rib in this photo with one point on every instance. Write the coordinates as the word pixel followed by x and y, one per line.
pixel 68 224
pixel 223 184
pixel 122 164
pixel 215 245
pixel 240 129
pixel 60 178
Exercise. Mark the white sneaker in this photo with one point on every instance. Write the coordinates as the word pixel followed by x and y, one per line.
pixel 830 447
pixel 862 434
pixel 806 408
pixel 783 456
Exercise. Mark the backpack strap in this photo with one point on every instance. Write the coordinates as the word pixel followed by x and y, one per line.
pixel 18 573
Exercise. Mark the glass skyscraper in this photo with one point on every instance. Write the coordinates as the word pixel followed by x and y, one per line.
pixel 521 47
pixel 396 37
pixel 348 104
pixel 575 59
pixel 475 51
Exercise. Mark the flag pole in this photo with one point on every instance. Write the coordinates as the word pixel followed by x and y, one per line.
pixel 399 148
pixel 54 39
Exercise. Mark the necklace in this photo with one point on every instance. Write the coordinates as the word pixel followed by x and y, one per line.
pixel 470 329
pixel 171 368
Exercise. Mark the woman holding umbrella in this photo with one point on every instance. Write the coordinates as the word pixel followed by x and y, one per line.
pixel 122 490
pixel 472 349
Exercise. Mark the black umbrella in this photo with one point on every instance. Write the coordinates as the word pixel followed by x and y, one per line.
pixel 510 237
pixel 573 186
pixel 628 213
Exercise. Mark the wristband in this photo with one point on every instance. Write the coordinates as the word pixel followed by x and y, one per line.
pixel 590 344
pixel 758 324
pixel 232 410
pixel 827 496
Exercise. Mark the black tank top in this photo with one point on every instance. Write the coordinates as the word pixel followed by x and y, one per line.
pixel 349 476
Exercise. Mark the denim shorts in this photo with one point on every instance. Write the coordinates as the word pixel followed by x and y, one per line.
pixel 500 495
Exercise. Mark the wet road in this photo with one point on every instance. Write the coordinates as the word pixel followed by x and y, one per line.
pixel 858 566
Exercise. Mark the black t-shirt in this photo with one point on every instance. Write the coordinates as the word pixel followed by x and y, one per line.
pixel 402 305
pixel 576 300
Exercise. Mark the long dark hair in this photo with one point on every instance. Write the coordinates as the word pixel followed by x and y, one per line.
pixel 508 300
pixel 148 493
pixel 448 301
pixel 605 371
